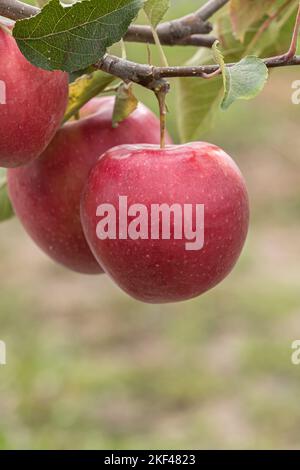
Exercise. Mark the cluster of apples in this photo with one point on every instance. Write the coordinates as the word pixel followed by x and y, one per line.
pixel 58 176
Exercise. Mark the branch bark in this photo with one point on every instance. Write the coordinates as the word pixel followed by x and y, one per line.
pixel 143 34
pixel 185 31
pixel 149 76
pixel 16 10
pixel 210 8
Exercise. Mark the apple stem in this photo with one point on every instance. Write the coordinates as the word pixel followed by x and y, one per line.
pixel 161 94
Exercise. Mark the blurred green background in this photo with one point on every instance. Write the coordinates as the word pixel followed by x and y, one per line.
pixel 90 368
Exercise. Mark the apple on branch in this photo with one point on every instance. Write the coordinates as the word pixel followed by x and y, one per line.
pixel 46 193
pixel 163 269
pixel 33 105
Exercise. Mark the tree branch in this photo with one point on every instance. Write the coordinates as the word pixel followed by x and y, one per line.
pixel 185 31
pixel 182 30
pixel 210 8
pixel 143 34
pixel 148 76
pixel 152 77
pixel 16 10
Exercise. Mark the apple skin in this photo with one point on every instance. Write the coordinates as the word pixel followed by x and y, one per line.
pixel 46 193
pixel 160 271
pixel 36 100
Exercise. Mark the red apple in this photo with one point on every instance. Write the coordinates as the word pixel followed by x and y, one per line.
pixel 46 193
pixel 119 212
pixel 33 102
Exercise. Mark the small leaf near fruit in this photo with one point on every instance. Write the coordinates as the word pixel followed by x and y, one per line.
pixel 85 88
pixel 125 104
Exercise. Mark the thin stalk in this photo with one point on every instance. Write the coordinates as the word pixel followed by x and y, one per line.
pixel 161 96
pixel 162 55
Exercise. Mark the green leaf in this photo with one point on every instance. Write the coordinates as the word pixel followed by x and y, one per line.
pixel 125 104
pixel 156 10
pixel 244 13
pixel 198 100
pixel 84 89
pixel 244 80
pixel 74 37
pixel 218 56
pixel 6 210
pixel 276 39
